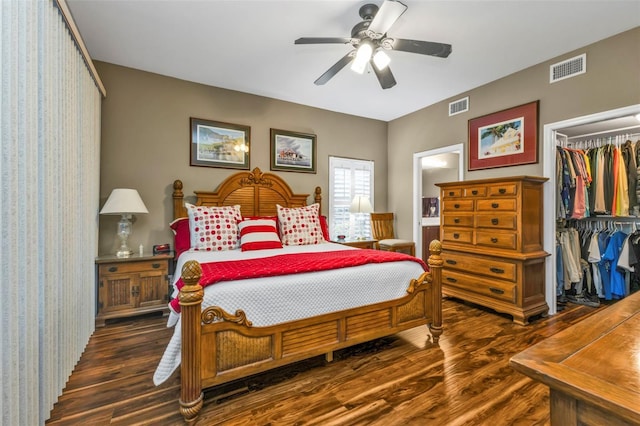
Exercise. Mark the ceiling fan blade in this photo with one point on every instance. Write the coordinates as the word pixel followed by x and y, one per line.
pixel 441 50
pixel 385 77
pixel 335 68
pixel 322 40
pixel 386 16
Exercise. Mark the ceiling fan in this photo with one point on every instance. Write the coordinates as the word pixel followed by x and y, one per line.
pixel 369 40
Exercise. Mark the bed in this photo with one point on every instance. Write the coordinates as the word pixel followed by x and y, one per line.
pixel 218 345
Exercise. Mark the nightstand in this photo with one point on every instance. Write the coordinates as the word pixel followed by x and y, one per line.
pixel 362 244
pixel 132 286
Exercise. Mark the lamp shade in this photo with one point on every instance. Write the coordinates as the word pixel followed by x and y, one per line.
pixel 124 201
pixel 360 204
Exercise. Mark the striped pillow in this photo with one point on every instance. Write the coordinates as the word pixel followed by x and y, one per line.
pixel 258 234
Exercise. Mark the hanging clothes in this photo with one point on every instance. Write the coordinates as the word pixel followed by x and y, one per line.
pixel 629 156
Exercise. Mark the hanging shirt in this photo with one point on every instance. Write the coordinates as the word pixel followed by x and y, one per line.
pixel 612 255
pixel 622 186
pixel 594 258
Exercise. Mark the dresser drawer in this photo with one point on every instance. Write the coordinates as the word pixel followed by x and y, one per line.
pixel 452 192
pixel 507 204
pixel 495 268
pixel 457 235
pixel 128 267
pixel 458 220
pixel 475 191
pixel 506 240
pixel 497 221
pixel 451 206
pixel 496 289
pixel 502 189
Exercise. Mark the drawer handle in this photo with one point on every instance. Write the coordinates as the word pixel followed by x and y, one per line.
pixel 494 240
pixel 494 221
pixel 456 220
pixel 497 270
pixel 456 236
pixel 155 265
pixel 495 205
pixel 452 280
pixel 496 290
pixel 502 190
pixel 451 193
pixel 456 206
pixel 451 262
pixel 474 192
pixel 113 269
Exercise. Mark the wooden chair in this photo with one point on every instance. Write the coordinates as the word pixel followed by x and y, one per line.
pixel 383 230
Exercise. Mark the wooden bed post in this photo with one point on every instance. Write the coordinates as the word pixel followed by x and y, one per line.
pixel 191 396
pixel 435 267
pixel 317 198
pixel 178 200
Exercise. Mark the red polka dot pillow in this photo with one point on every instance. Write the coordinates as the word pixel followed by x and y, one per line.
pixel 300 226
pixel 213 228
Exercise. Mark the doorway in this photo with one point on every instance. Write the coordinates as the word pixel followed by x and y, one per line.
pixel 444 164
pixel 606 121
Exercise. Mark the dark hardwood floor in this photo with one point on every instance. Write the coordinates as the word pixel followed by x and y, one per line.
pixel 399 380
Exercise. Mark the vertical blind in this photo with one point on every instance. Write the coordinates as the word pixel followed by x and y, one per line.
pixel 49 195
pixel 347 178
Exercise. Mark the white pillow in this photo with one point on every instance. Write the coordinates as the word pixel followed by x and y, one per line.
pixel 300 225
pixel 213 228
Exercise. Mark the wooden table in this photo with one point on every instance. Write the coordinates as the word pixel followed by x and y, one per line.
pixel 591 368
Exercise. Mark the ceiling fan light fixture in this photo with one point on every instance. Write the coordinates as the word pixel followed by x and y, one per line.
pixel 363 54
pixel 381 59
pixel 369 36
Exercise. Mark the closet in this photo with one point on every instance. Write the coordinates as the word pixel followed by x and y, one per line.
pixel 597 211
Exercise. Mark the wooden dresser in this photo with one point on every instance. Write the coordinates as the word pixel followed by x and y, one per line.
pixel 491 233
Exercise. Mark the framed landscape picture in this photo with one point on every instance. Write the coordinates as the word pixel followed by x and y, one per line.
pixel 505 138
pixel 293 151
pixel 217 144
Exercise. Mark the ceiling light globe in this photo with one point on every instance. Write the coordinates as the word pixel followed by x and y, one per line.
pixel 381 60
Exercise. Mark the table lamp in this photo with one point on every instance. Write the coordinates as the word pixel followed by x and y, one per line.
pixel 125 202
pixel 360 205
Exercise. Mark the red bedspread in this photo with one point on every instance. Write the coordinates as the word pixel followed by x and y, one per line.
pixel 285 264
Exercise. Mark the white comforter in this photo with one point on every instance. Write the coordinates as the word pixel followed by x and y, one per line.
pixel 272 300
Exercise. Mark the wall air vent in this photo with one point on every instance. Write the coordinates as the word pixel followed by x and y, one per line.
pixel 459 106
pixel 569 68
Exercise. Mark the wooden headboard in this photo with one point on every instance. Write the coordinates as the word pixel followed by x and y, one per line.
pixel 255 191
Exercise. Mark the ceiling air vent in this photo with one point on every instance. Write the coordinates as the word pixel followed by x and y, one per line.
pixel 459 106
pixel 569 68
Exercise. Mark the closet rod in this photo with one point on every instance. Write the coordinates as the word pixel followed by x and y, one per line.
pixel 626 219
pixel 605 132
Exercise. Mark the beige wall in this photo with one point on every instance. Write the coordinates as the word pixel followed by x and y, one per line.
pixel 145 131
pixel 145 143
pixel 612 81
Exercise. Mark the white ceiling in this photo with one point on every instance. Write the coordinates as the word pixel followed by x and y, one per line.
pixel 248 45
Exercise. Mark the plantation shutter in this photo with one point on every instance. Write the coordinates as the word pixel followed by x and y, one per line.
pixel 348 178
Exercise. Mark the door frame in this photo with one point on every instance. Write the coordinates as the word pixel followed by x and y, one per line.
pixel 417 186
pixel 549 171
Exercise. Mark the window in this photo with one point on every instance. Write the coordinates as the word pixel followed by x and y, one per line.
pixel 348 178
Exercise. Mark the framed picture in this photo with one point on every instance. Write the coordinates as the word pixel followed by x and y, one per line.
pixel 292 151
pixel 216 144
pixel 430 207
pixel 505 138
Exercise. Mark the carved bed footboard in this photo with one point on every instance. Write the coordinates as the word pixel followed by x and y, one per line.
pixel 219 346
